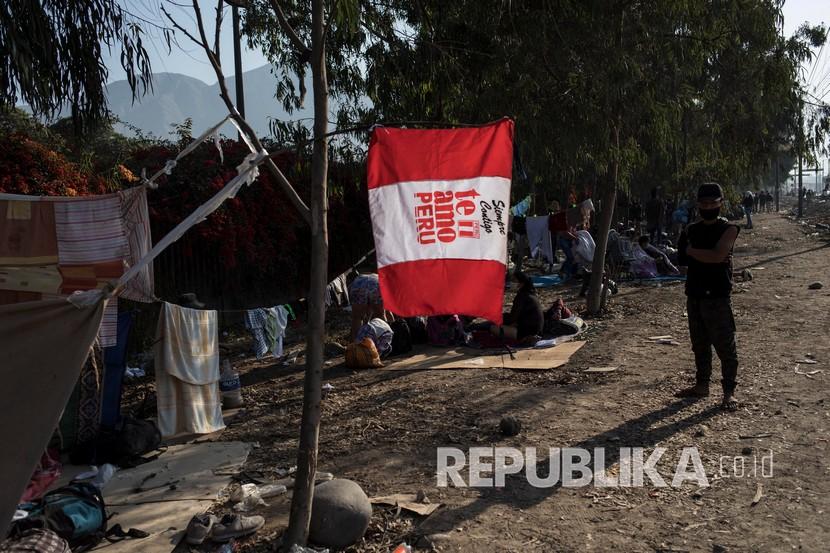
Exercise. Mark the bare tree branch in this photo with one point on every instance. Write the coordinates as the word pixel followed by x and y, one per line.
pixel 295 199
pixel 219 14
pixel 180 28
pixel 302 48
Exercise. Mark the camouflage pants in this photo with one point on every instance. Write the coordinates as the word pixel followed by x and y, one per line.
pixel 711 323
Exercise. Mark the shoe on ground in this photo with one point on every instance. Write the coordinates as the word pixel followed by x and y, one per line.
pixel 235 526
pixel 199 528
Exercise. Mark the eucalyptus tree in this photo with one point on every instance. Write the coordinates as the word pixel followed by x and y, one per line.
pixel 52 55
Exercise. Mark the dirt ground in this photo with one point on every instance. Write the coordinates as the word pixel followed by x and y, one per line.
pixel 382 429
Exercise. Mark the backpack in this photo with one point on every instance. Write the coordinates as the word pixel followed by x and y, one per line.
pixel 402 339
pixel 76 513
pixel 122 445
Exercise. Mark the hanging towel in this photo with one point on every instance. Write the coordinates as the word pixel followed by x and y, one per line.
pixel 267 326
pixel 538 236
pixel 187 371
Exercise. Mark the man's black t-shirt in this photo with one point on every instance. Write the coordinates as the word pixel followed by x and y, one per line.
pixel 705 280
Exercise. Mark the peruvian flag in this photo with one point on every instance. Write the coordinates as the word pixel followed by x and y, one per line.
pixel 439 201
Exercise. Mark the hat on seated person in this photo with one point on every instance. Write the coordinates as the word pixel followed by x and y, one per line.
pixel 710 191
pixel 191 301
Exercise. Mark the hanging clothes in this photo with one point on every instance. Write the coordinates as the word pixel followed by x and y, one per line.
pixel 54 245
pixel 538 236
pixel 267 326
pixel 187 371
pixel 337 292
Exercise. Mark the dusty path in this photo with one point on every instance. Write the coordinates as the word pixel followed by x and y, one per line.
pixel 382 429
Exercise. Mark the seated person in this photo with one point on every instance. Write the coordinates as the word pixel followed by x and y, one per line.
pixel 526 317
pixel 367 304
pixel 664 264
pixel 380 333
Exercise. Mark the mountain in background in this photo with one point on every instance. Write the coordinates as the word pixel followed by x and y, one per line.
pixel 176 97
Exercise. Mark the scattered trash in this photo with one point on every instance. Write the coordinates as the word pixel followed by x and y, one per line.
pixel 751 436
pixel 816 286
pixel 758 494
pixel 19 515
pixel 663 340
pixel 702 431
pixel 326 389
pixel 403 548
pixel 134 372
pixel 600 369
pixel 808 362
pixel 98 476
pixel 416 503
pixel 290 360
pixel 510 426
pixel 226 548
pixel 282 473
pixel 247 497
pixel 300 549
pixel 807 374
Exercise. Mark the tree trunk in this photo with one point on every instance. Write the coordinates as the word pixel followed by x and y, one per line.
pixel 609 200
pixel 297 532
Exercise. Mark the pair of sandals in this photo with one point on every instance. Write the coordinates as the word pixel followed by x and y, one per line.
pixel 117 533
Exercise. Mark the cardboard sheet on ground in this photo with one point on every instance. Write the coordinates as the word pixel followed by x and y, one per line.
pixel 408 501
pixel 432 358
pixel 198 471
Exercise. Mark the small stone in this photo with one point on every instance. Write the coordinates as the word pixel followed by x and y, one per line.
pixel 747 451
pixel 717 548
pixel 701 431
pixel 340 513
pixel 816 286
pixel 510 426
pixel 422 497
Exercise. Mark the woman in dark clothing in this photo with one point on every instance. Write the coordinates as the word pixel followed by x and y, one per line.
pixel 526 317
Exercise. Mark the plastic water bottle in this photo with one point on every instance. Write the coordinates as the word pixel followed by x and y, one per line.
pixel 230 386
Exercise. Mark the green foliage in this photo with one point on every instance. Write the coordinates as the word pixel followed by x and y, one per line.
pixel 51 55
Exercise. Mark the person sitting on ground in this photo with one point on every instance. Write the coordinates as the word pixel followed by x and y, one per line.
pixel 366 301
pixel 664 264
pixel 526 318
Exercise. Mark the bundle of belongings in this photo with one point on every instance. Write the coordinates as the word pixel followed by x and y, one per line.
pixel 72 518
pixel 378 340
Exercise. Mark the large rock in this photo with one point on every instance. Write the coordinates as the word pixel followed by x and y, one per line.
pixel 340 513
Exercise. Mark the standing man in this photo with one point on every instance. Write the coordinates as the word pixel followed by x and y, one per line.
pixel 747 203
pixel 705 248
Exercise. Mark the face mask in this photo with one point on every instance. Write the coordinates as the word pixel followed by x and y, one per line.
pixel 710 214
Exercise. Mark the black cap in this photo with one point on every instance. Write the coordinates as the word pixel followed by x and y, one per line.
pixel 710 191
pixel 191 301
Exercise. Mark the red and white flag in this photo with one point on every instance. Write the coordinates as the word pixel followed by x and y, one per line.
pixel 440 201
